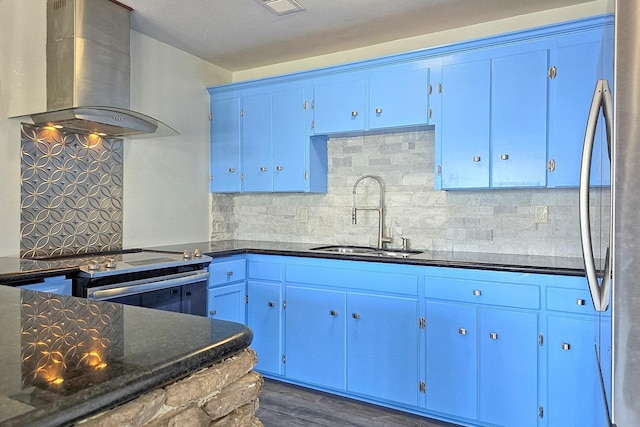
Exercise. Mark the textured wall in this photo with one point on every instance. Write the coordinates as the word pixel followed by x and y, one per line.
pixel 499 221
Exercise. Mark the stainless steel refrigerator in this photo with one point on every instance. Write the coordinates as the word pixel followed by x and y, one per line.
pixel 620 361
pixel 626 217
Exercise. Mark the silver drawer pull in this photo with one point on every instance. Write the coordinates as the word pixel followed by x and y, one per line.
pixel 354 113
pixel 263 169
pixel 333 313
pixel 278 168
pixel 232 170
pixel 580 302
pixel 493 335
pixel 504 157
pixel 566 346
pixel 355 315
pixel 462 331
pixel 229 273
pixel 476 159
pixel 271 304
pixel 378 110
pixel 212 312
pixel 477 292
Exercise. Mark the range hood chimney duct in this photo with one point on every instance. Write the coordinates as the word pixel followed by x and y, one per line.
pixel 88 71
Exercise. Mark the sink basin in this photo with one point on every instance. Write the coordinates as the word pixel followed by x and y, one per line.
pixel 366 250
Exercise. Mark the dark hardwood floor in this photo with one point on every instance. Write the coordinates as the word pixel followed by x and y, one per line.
pixel 285 405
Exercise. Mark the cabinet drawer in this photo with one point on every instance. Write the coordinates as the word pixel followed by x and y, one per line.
pixel 227 272
pixel 480 292
pixel 265 270
pixel 570 300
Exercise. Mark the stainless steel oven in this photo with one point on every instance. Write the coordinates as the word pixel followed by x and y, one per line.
pixel 171 282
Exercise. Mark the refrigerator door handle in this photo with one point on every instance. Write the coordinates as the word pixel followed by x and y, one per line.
pixel 601 99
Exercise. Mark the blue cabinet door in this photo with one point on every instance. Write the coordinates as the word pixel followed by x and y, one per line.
pixel 508 384
pixel 264 317
pixel 227 302
pixel 257 162
pixel 315 336
pixel 225 145
pixel 55 285
pixel 579 64
pixel 574 392
pixel 290 139
pixel 452 359
pixel 382 347
pixel 398 96
pixel 519 120
pixel 464 131
pixel 339 105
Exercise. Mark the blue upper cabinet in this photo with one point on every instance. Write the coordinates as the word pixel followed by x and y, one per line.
pixel 464 133
pixel 492 129
pixel 579 60
pixel 260 140
pixel 339 104
pixel 257 143
pixel 225 145
pixel 398 96
pixel 519 119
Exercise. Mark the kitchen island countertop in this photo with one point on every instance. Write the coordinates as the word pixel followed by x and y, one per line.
pixel 63 359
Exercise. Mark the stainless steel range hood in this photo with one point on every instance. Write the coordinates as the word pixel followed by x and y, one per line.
pixel 88 71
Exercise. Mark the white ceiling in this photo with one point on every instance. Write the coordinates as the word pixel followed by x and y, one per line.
pixel 242 34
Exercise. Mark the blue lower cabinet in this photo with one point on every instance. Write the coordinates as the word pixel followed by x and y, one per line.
pixel 227 302
pixel 574 391
pixel 55 285
pixel 315 336
pixel 508 362
pixel 382 347
pixel 452 375
pixel 264 317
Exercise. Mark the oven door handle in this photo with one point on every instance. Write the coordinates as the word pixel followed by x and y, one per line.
pixel 145 285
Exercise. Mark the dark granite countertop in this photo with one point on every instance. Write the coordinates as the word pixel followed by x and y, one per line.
pixel 477 260
pixel 14 269
pixel 64 358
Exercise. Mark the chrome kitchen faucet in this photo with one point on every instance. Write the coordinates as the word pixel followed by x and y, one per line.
pixel 354 210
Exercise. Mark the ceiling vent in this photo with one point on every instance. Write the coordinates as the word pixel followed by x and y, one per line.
pixel 282 7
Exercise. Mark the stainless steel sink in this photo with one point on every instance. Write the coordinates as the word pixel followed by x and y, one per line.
pixel 366 250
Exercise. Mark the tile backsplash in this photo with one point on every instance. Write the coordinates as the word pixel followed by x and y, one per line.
pixel 498 221
pixel 71 192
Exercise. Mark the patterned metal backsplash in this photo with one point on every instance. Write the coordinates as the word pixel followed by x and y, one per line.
pixel 71 197
pixel 65 337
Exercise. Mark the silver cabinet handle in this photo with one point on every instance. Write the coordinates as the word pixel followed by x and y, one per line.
pixel 493 335
pixel 263 169
pixel 271 304
pixel 333 313
pixel 477 292
pixel 355 315
pixel 504 157
pixel 378 110
pixel 354 113
pixel 580 302
pixel 229 273
pixel 476 159
pixel 212 312
pixel 278 168
pixel 462 331
pixel 566 346
pixel 231 170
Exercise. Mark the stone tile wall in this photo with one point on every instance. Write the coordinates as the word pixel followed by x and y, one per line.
pixel 499 221
pixel 223 395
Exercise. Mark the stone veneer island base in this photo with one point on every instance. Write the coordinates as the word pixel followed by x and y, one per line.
pixel 222 395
